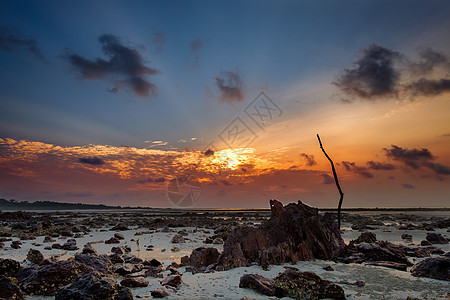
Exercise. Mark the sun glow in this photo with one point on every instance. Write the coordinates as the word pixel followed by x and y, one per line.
pixel 230 159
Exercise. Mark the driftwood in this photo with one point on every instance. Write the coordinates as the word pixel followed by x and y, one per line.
pixel 335 180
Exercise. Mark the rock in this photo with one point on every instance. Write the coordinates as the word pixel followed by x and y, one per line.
pixel 183 232
pixel 366 237
pixel 67 233
pixel 258 283
pixel 328 268
pixel 8 267
pixel 306 285
pixel 154 263
pixel 407 236
pixel 357 283
pixel 35 256
pixel 160 292
pixel 433 267
pixel 9 289
pixel 294 232
pixel 177 239
pixel 48 239
pixel 208 240
pixel 165 229
pixel 118 250
pixel 425 243
pixel 120 227
pixel 90 287
pixel 132 259
pixel 154 272
pixel 128 269
pixel 119 236
pixel 184 261
pixel 388 264
pixel 46 280
pixel 172 280
pixel 100 263
pixel 70 245
pixel 16 244
pixel 112 240
pixel 217 241
pixel 124 293
pixel 116 258
pixel 436 238
pixel 26 237
pixel 2 245
pixel 203 257
pixel 134 282
pixel 88 249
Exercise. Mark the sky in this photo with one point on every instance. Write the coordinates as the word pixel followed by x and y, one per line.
pixel 210 104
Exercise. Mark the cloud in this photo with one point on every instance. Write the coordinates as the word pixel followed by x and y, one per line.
pixel 12 40
pixel 125 67
pixel 158 40
pixel 374 74
pixel 429 87
pixel 195 47
pixel 309 158
pixel 209 152
pixel 352 167
pixel 230 87
pixel 226 182
pixel 161 179
pixel 327 179
pixel 408 186
pixel 94 160
pixel 429 59
pixel 375 165
pixel 416 158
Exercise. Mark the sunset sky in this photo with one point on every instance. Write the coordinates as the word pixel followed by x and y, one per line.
pixel 109 101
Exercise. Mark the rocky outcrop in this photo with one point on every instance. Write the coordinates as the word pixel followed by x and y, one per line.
pixel 172 280
pixel 436 238
pixel 93 286
pixel 100 263
pixel 433 267
pixel 134 282
pixel 294 232
pixel 258 283
pixel 9 289
pixel 8 267
pixel 35 256
pixel 203 257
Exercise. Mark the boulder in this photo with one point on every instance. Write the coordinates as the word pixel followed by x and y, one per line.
pixel 203 257
pixel 120 227
pixel 88 249
pixel 258 283
pixel 93 286
pixel 9 267
pixel 70 245
pixel 172 280
pixel 218 241
pixel 407 236
pixel 35 256
pixel 306 285
pixel 436 238
pixel 177 239
pixel 112 240
pixel 160 292
pixel 9 289
pixel 134 282
pixel 49 239
pixel 46 280
pixel 294 232
pixel 119 236
pixel 100 263
pixel 433 267
pixel 366 237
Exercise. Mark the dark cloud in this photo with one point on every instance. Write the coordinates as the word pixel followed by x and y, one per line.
pixel 195 46
pixel 12 41
pixel 408 186
pixel 146 180
pixel 309 158
pixel 375 165
pixel 429 59
pixel 208 152
pixel 160 179
pixel 230 87
pixel 416 158
pixel 327 179
pixel 429 87
pixel 352 167
pixel 158 40
pixel 373 76
pixel 226 182
pixel 125 67
pixel 94 160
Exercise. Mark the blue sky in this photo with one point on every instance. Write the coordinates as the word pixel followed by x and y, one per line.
pixel 293 50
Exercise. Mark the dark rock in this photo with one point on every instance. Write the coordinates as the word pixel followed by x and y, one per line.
pixel 407 236
pixel 305 285
pixel 437 251
pixel 70 245
pixel 35 256
pixel 165 229
pixel 172 280
pixel 388 264
pixel 217 241
pixel 160 292
pixel 9 289
pixel 124 293
pixel 15 216
pixel 116 258
pixel 67 233
pixel 154 272
pixel 177 239
pixel 119 236
pixel 433 267
pixel 118 250
pixel 328 268
pixel 134 282
pixel 293 233
pixel 90 287
pixel 49 239
pixel 153 263
pixel 129 269
pixel 203 257
pixel 112 240
pixel 16 244
pixel 100 263
pixel 56 246
pixel 436 238
pixel 46 280
pixel 185 260
pixel 88 249
pixel 183 232
pixel 366 237
pixel 357 283
pixel 132 259
pixel 258 283
pixel 425 243
pixel 8 267
pixel 120 227
pixel 208 240
pixel 2 245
